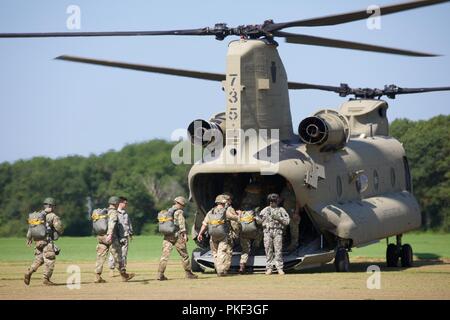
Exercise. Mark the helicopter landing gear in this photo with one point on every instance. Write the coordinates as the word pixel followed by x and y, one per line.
pixel 396 252
pixel 341 260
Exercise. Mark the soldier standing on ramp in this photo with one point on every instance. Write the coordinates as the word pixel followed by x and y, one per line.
pixel 109 242
pixel 216 220
pixel 173 225
pixel 44 227
pixel 273 219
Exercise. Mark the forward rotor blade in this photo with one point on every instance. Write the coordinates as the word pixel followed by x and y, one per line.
pixel 352 16
pixel 326 42
pixel 188 32
pixel 147 68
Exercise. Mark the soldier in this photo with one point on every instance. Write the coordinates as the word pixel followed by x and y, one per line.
pixel 287 196
pixel 125 229
pixel 177 239
pixel 235 226
pixel 216 220
pixel 249 208
pixel 273 219
pixel 110 243
pixel 45 250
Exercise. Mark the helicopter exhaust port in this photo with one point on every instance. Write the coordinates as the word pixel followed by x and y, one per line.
pixel 326 128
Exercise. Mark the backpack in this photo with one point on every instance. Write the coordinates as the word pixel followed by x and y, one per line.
pixel 100 221
pixel 218 227
pixel 167 225
pixel 37 225
pixel 248 224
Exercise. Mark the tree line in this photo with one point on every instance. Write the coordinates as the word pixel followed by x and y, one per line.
pixel 145 174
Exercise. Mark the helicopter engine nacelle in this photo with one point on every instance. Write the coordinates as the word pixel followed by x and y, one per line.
pixel 202 132
pixel 326 128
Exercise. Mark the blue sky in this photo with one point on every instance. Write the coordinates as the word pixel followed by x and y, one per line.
pixel 55 108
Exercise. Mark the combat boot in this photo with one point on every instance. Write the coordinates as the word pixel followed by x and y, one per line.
pixel 190 275
pixel 161 277
pixel 47 282
pixel 126 276
pixel 27 277
pixel 98 278
pixel 242 268
pixel 269 271
pixel 281 272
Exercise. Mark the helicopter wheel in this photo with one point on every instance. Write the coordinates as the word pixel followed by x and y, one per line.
pixel 341 260
pixel 392 256
pixel 406 256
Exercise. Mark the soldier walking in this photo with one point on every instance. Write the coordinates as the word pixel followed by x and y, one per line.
pixel 44 227
pixel 125 231
pixel 273 219
pixel 110 243
pixel 174 224
pixel 216 220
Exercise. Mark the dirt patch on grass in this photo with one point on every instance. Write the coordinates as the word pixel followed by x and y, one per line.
pixel 427 280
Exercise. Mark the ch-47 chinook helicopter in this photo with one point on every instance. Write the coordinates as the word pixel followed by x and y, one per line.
pixel 351 180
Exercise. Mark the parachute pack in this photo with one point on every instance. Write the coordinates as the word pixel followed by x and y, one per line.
pixel 167 225
pixel 218 226
pixel 37 225
pixel 100 221
pixel 248 224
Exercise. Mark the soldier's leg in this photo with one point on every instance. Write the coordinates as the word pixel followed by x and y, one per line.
pixel 102 252
pixel 245 245
pixel 268 246
pixel 125 253
pixel 182 250
pixel 278 248
pixel 49 262
pixel 215 251
pixel 167 246
pixel 228 250
pixel 116 251
pixel 37 262
pixel 222 252
pixel 111 262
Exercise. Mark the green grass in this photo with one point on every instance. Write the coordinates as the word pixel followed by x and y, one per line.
pixel 148 248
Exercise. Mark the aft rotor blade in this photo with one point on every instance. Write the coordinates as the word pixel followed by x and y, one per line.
pixel 147 68
pixel 305 86
pixel 352 16
pixel 326 42
pixel 188 32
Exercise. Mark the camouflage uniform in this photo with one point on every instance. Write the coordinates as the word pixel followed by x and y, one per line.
pixel 176 240
pixel 44 253
pixel 125 230
pixel 103 247
pixel 221 250
pixel 290 206
pixel 273 221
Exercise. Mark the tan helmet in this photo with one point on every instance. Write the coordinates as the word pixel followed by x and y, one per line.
pixel 180 200
pixel 221 199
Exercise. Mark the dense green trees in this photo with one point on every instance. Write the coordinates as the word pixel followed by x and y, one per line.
pixel 145 174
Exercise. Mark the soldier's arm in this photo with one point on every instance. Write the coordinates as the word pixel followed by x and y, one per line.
pixel 130 226
pixel 57 224
pixel 113 217
pixel 261 216
pixel 179 217
pixel 284 217
pixel 28 235
pixel 231 214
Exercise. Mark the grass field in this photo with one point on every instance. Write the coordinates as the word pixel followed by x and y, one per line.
pixel 428 279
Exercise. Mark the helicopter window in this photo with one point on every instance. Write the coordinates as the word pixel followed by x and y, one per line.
pixel 362 183
pixel 382 112
pixel 376 180
pixel 339 186
pixel 393 177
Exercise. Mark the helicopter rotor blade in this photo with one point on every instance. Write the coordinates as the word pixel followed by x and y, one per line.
pixel 352 16
pixel 343 44
pixel 147 68
pixel 187 32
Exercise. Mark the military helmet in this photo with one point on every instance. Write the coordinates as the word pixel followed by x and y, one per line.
pixel 113 200
pixel 50 201
pixel 221 199
pixel 180 200
pixel 273 197
pixel 227 196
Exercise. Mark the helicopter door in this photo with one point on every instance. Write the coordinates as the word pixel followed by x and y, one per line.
pixel 407 175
